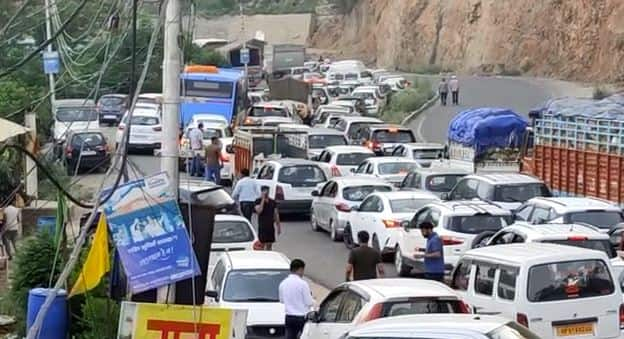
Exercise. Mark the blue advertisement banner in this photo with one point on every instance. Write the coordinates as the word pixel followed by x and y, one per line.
pixel 148 230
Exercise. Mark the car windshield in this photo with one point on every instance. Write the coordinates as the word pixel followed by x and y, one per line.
pixel 520 193
pixel 231 231
pixel 475 224
pixel 407 205
pixel 393 136
pixel 301 175
pixel 396 167
pixel 569 280
pixel 210 133
pixel 138 120
pixel 263 145
pixel 358 193
pixel 364 95
pixel 355 126
pixel 111 101
pixel 91 139
pixel 427 154
pixel 325 140
pixel 442 183
pixel 338 76
pixel 76 114
pixel 351 159
pixel 512 330
pixel 421 306
pixel 602 219
pixel 598 245
pixel 253 285
pixel 351 76
pixel 260 112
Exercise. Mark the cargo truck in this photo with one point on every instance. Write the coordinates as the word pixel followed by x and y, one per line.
pixel 285 57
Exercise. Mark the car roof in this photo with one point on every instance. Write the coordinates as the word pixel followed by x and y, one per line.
pixel 271 104
pixel 383 160
pixel 294 161
pixel 348 149
pixel 416 194
pixel 551 230
pixel 521 253
pixel 388 126
pixel 257 260
pixel 333 107
pixel 114 95
pixel 74 103
pixel 348 118
pixel 442 170
pixel 506 178
pixel 576 203
pixel 358 181
pixel 202 116
pixel 424 145
pixel 403 287
pixel 230 217
pixel 470 207
pixel 321 131
pixel 407 324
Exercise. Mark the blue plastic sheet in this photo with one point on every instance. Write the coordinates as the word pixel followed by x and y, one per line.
pixel 486 128
pixel 611 107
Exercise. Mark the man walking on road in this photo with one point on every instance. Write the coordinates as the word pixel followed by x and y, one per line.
pixel 433 255
pixel 268 219
pixel 213 161
pixel 10 230
pixel 364 261
pixel 295 294
pixel 443 89
pixel 196 138
pixel 246 192
pixel 454 87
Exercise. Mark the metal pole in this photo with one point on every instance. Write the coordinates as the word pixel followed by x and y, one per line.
pixel 244 36
pixel 48 26
pixel 30 120
pixel 171 110
pixel 133 62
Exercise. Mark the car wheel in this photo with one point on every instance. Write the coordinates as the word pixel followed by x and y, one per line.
pixel 334 233
pixel 347 237
pixel 313 222
pixel 402 269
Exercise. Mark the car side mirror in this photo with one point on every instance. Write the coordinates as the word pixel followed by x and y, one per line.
pixel 352 170
pixel 229 149
pixel 538 221
pixel 445 196
pixel 315 193
pixel 405 224
pixel 355 208
pixel 213 294
pixel 312 316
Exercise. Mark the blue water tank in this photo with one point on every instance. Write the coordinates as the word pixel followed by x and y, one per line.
pixel 46 224
pixel 55 322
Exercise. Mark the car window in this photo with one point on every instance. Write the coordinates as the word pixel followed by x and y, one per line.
pixel 416 180
pixel 485 191
pixel 301 175
pixel 333 190
pixel 358 193
pixel 540 215
pixel 396 167
pixel 524 212
pixel 341 125
pixel 267 112
pixel 421 306
pixel 434 217
pixel 326 188
pixel 442 183
pixel 351 159
pixel 91 139
pixel 231 231
pixel 322 141
pixel 461 276
pixel 407 181
pixel 475 224
pixel 465 189
pixel 569 280
pixel 507 283
pixel 369 168
pixel 351 306
pixel 506 238
pixel 266 172
pixel 520 193
pixel 328 311
pixel 423 154
pixel 398 151
pixel 511 330
pixel 484 278
pixel 602 219
pixel 255 285
pixel 362 167
pixel 420 217
pixel 598 245
pixel 138 120
pixel 393 135
pixel 210 133
pixel 370 204
pixel 407 205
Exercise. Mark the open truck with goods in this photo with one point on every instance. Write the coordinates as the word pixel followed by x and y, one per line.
pixel 285 57
pixel 485 140
pixel 576 146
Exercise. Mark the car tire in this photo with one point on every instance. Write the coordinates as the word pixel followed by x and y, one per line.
pixel 313 222
pixel 347 237
pixel 481 239
pixel 333 232
pixel 402 269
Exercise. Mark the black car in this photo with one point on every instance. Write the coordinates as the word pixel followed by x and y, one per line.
pixel 86 150
pixel 111 108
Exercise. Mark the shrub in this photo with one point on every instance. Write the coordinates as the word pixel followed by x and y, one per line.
pixel 600 93
pixel 403 103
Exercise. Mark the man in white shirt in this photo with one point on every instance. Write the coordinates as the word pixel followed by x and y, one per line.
pixel 294 293
pixel 196 139
pixel 454 88
pixel 12 225
pixel 246 192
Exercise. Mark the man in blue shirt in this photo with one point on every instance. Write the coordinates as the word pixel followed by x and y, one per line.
pixel 433 254
pixel 246 192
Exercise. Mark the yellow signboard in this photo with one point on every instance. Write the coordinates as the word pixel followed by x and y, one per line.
pixel 160 321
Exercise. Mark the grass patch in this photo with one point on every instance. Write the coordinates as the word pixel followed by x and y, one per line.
pixel 213 8
pixel 403 103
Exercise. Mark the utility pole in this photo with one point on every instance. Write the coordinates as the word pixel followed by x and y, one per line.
pixel 244 36
pixel 171 111
pixel 133 62
pixel 32 190
pixel 48 26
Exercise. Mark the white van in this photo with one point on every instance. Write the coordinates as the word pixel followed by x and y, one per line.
pixel 74 115
pixel 556 291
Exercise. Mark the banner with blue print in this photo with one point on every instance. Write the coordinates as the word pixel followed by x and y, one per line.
pixel 147 227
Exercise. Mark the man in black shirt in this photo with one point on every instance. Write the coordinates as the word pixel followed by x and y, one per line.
pixel 268 216
pixel 364 261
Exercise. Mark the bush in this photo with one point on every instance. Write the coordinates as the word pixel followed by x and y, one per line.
pixel 95 312
pixel 427 69
pixel 405 102
pixel 600 93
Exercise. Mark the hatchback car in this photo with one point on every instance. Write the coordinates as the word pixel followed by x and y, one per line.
pixel 111 108
pixel 320 138
pixel 262 110
pixel 437 180
pixel 333 202
pixel 355 303
pixel 382 139
pixel 423 152
pixel 343 159
pixel 381 215
pixel 391 169
pixel 232 233
pixel 145 131
pixel 327 117
pixel 86 150
pixel 351 125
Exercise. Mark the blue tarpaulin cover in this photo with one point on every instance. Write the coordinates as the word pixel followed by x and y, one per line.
pixel 485 128
pixel 611 107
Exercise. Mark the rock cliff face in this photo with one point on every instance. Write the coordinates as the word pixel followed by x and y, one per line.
pixel 573 39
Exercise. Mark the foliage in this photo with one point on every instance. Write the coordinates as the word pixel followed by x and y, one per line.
pixel 95 312
pixel 403 103
pixel 200 56
pixel 600 92
pixel 427 69
pixel 214 8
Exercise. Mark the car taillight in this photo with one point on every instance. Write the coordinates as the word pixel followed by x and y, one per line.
pixel 523 320
pixel 225 157
pixel 335 171
pixel 68 151
pixel 577 238
pixel 446 240
pixel 342 207
pixel 622 316
pixel 157 129
pixel 389 223
pixel 463 307
pixel 257 246
pixel 374 313
pixel 373 145
pixel 279 193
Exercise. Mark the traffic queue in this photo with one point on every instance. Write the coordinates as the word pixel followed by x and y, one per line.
pixel 520 259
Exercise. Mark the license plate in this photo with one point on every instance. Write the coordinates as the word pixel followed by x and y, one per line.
pixel 110 117
pixel 575 330
pixel 89 153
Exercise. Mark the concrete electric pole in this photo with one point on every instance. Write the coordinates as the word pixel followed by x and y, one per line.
pixel 30 121
pixel 171 112
pixel 48 26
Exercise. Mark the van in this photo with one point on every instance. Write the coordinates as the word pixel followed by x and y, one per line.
pixel 74 115
pixel 554 290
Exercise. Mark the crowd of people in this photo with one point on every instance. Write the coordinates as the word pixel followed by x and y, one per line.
pixel 206 161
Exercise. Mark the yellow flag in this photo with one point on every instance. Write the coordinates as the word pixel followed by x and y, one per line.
pixel 97 263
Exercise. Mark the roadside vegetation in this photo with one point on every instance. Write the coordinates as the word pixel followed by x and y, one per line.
pixel 212 8
pixel 403 103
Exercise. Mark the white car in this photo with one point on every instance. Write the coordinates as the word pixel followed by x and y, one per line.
pixel 374 103
pixel 458 223
pixel 333 201
pixel 437 180
pixel 210 119
pixel 381 215
pixel 343 159
pixel 74 115
pixel 328 119
pixel 211 129
pixel 291 182
pixel 423 152
pixel 391 169
pixel 258 112
pixel 250 280
pixel 145 129
pixel 351 125
pixel 555 291
pixel 378 299
pixel 320 138
pixel 232 233
pixel 508 190
pixel 441 326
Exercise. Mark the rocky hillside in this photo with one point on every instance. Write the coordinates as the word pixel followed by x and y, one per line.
pixel 579 39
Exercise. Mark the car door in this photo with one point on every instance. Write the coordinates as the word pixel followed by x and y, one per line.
pixel 364 215
pixel 541 214
pixel 523 213
pixel 265 178
pixel 350 307
pixel 327 316
pixel 398 151
pixel 407 181
pixel 320 204
pixel 485 276
pixel 410 238
pixel 329 197
pixel 361 169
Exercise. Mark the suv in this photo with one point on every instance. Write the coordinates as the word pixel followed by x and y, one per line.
pixel 351 125
pixel 111 107
pixel 382 139
pixel 437 180
pixel 423 152
pixel 458 223
pixel 508 190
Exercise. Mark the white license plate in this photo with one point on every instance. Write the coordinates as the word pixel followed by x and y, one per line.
pixel 89 153
pixel 110 117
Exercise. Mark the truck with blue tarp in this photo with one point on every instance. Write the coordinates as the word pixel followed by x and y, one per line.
pixel 486 139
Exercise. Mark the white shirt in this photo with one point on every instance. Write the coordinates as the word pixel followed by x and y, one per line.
pixel 196 136
pixel 295 294
pixel 246 190
pixel 454 85
pixel 12 218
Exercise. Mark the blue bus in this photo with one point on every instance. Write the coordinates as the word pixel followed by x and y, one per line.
pixel 211 90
